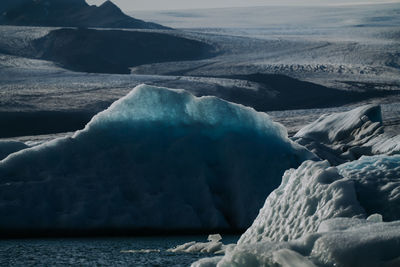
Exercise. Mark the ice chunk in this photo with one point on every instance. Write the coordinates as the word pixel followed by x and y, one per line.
pixel 317 216
pixel 207 262
pixel 200 247
pixel 287 257
pixel 212 246
pixel 362 244
pixel 307 196
pixel 347 136
pixel 141 251
pixel 316 192
pixel 377 184
pixel 375 218
pixel 339 126
pixel 214 238
pixel 155 159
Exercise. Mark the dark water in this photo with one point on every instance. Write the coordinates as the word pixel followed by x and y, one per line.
pixel 99 251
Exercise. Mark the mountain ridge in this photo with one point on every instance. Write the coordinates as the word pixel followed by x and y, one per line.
pixel 68 13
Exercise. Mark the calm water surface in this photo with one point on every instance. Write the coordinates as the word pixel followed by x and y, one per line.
pixel 99 251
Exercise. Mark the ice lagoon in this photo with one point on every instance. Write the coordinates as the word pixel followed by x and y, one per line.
pixel 335 209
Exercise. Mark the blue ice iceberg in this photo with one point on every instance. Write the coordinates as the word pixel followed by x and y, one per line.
pixel 155 159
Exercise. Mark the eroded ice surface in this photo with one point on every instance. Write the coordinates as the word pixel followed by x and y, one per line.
pixel 158 159
pixel 377 183
pixel 326 216
pixel 315 192
pixel 338 242
pixel 346 136
pixel 308 195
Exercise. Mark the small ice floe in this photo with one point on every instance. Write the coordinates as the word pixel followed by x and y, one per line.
pixel 212 246
pixel 140 251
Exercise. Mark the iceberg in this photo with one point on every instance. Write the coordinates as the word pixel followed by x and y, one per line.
pixel 157 159
pixel 346 136
pixel 307 196
pixel 316 192
pixel 326 216
pixel 377 184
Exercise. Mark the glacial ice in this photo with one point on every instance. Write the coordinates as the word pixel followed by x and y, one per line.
pixel 377 184
pixel 9 147
pixel 345 242
pixel 315 192
pixel 307 196
pixel 326 216
pixel 155 159
pixel 346 136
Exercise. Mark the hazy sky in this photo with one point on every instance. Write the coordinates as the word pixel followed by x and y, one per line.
pixel 131 5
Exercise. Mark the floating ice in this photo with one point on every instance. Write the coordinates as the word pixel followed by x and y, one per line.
pixel 155 159
pixel 200 247
pixel 214 238
pixel 212 246
pixel 346 136
pixel 141 251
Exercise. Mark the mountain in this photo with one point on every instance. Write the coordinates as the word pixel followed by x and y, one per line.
pixel 68 13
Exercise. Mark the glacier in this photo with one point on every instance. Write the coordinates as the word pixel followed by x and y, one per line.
pixel 157 159
pixel 323 215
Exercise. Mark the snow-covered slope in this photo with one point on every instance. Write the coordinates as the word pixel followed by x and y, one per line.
pixel 346 136
pixel 155 159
